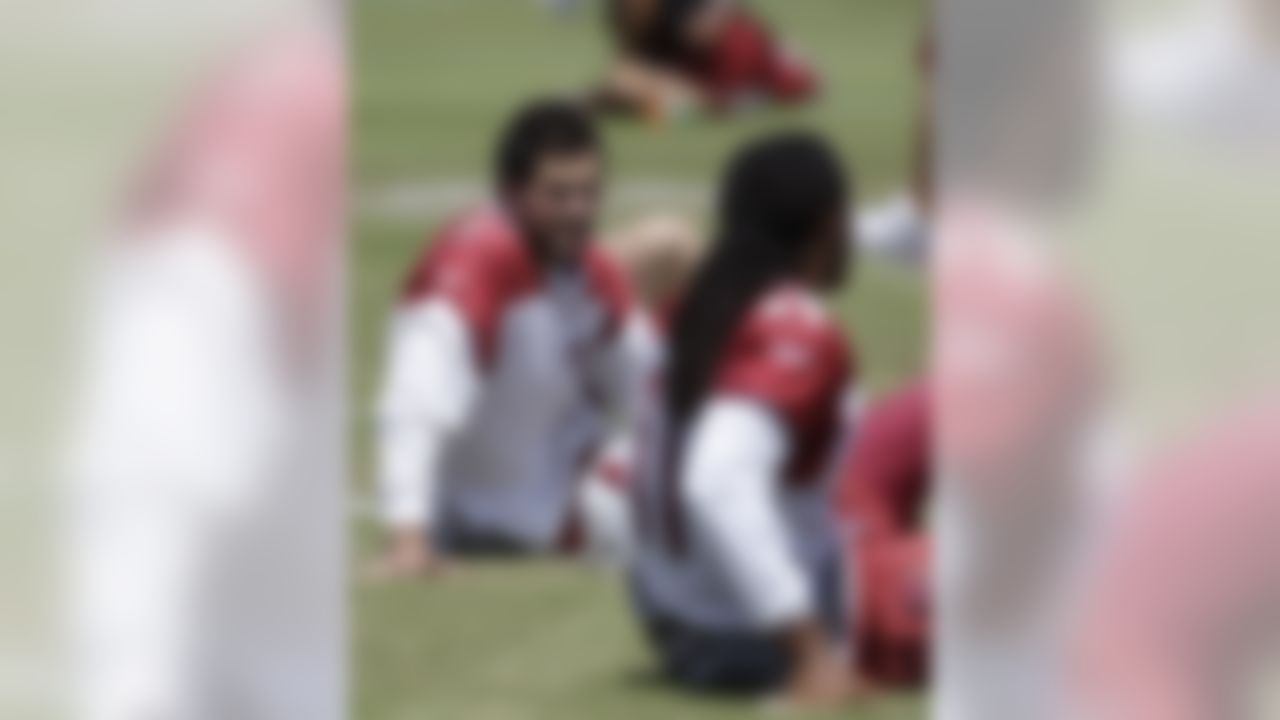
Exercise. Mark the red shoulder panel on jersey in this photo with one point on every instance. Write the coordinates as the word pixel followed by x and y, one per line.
pixel 479 263
pixel 791 356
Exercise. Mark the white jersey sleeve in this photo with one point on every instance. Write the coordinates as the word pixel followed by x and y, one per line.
pixel 733 467
pixel 430 390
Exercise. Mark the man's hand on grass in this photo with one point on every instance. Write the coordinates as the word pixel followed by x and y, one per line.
pixel 408 555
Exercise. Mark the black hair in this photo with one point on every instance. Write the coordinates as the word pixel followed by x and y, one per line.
pixel 775 197
pixel 661 39
pixel 548 126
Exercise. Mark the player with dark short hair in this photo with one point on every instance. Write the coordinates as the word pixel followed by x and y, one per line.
pixel 507 365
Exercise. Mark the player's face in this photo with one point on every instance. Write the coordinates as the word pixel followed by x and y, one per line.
pixel 559 204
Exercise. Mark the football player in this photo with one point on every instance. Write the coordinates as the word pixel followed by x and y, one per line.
pixel 735 574
pixel 675 56
pixel 507 361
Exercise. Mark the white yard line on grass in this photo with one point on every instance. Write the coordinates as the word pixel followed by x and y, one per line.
pixel 425 199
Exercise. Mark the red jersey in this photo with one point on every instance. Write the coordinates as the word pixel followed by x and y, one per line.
pixel 781 383
pixel 481 265
pixel 745 59
pixel 881 497
pixel 548 352
pixel 791 356
pixel 886 480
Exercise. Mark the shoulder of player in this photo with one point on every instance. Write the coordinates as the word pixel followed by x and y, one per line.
pixel 476 246
pixel 791 328
pixel 791 354
pixel 796 314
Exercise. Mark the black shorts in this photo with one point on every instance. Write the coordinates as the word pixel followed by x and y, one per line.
pixel 706 660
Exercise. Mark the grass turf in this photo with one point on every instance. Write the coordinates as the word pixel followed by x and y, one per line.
pixel 433 81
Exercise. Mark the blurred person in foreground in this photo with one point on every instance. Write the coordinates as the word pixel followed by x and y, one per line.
pixel 1026 445
pixel 1182 620
pixel 735 575
pixel 1182 614
pixel 507 361
pixel 205 505
pixel 680 56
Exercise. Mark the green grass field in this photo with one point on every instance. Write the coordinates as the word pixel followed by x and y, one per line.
pixel 433 81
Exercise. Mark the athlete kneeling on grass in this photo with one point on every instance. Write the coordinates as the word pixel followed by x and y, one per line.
pixel 736 571
pixel 508 359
